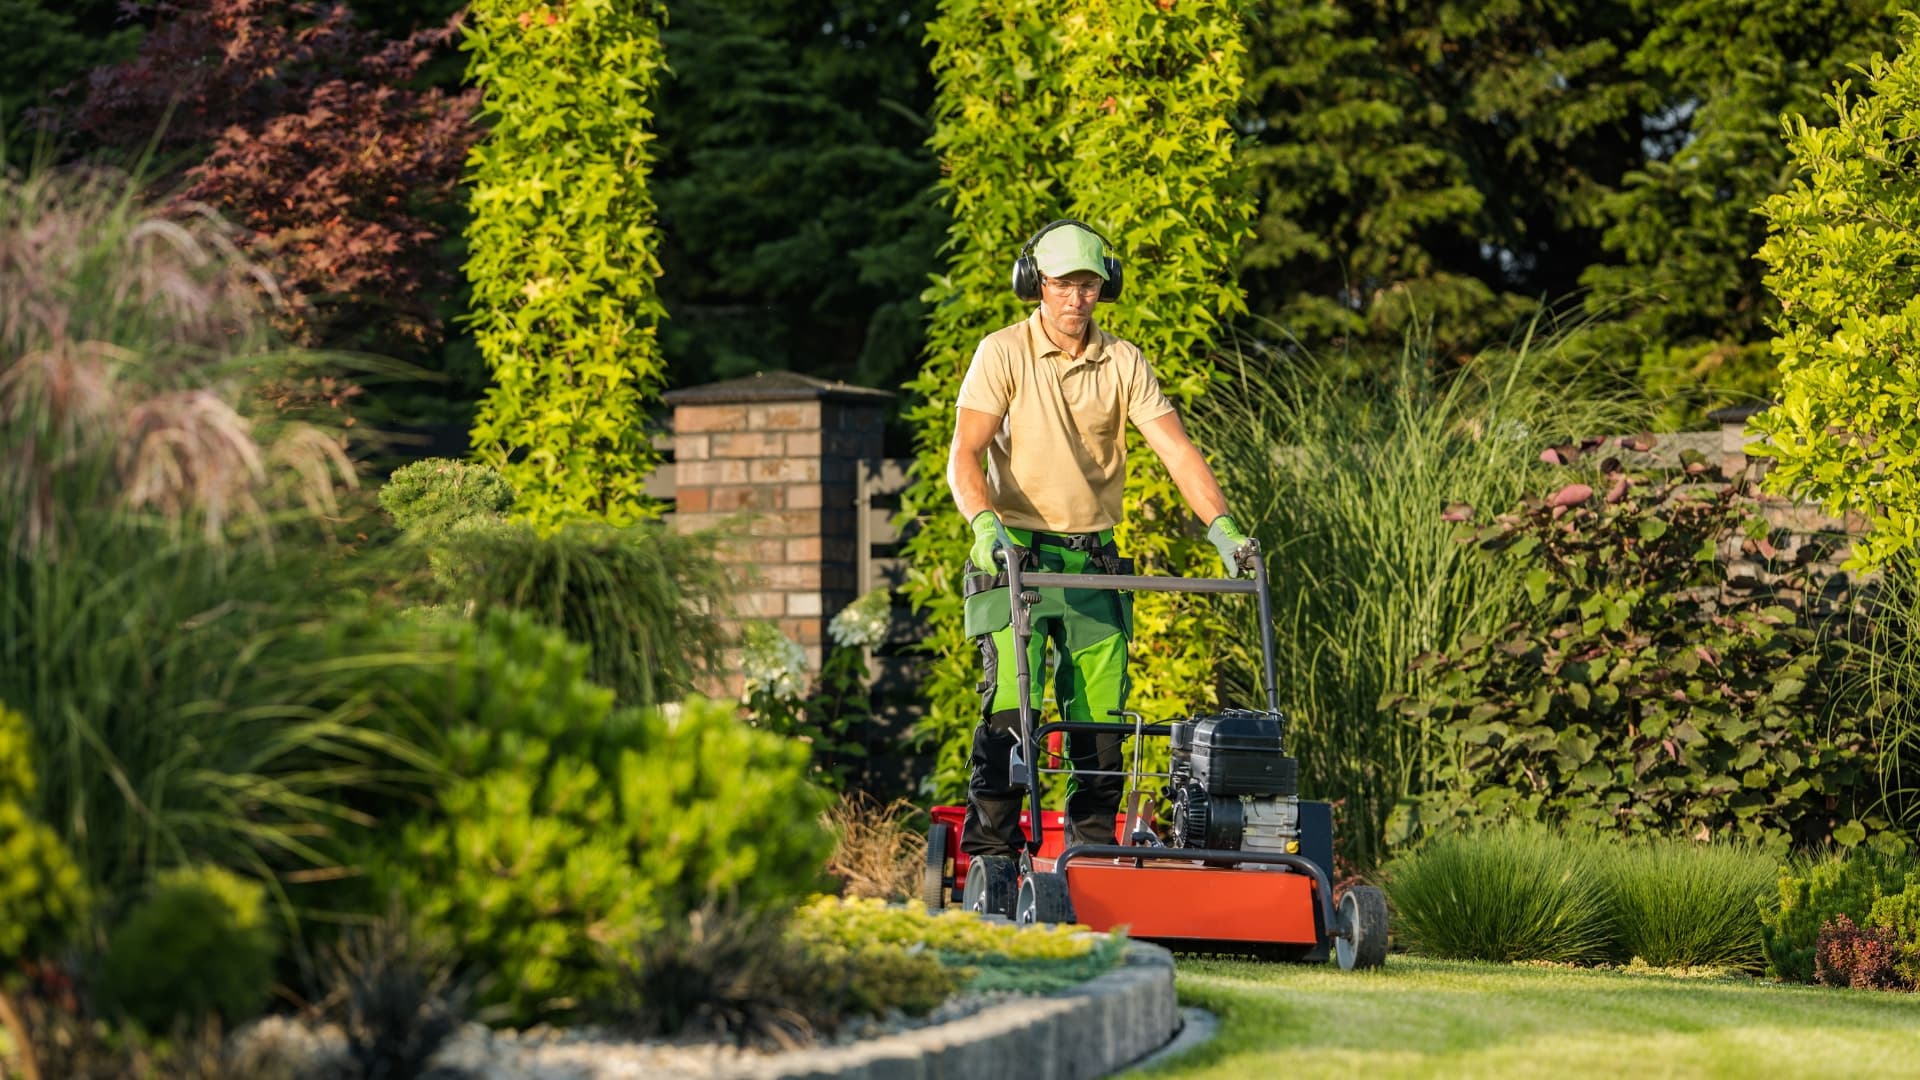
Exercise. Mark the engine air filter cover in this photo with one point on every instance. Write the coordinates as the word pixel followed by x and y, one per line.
pixel 1241 752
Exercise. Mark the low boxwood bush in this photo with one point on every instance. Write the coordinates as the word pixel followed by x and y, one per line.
pixel 200 944
pixel 1676 903
pixel 1816 891
pixel 1501 895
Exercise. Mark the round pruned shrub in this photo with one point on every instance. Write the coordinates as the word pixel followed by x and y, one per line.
pixel 438 493
pixel 199 944
pixel 1512 893
pixel 1676 903
pixel 1815 892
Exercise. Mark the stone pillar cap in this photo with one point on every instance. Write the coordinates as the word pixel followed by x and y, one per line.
pixel 776 386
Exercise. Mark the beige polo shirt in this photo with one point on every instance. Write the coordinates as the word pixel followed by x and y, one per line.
pixel 1059 461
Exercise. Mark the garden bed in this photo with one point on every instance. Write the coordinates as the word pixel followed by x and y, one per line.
pixel 1092 1029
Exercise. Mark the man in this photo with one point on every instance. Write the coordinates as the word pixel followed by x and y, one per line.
pixel 1046 402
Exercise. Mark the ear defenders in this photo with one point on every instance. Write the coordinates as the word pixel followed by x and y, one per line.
pixel 1026 273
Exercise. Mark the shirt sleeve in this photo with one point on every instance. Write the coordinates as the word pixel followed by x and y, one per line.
pixel 1145 401
pixel 988 385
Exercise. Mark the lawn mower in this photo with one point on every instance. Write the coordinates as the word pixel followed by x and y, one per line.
pixel 1245 865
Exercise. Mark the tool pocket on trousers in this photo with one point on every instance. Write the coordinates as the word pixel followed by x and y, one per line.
pixel 988 611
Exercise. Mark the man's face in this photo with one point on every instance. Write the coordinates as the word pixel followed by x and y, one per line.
pixel 1068 301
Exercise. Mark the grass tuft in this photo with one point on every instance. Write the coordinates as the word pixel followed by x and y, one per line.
pixel 1515 893
pixel 1678 904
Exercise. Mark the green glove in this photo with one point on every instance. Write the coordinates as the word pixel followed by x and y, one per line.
pixel 988 534
pixel 1229 541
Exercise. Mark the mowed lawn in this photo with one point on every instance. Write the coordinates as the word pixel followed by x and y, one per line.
pixel 1446 1018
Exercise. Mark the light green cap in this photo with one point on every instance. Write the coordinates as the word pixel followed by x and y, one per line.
pixel 1067 249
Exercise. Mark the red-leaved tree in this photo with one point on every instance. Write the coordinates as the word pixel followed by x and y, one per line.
pixel 315 137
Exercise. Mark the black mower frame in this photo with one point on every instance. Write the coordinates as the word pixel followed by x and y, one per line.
pixel 1022 598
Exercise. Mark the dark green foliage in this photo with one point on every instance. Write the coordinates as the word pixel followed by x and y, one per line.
pixel 563 827
pixel 200 944
pixel 1513 893
pixel 51 43
pixel 1638 692
pixel 793 184
pixel 1679 281
pixel 640 597
pixel 394 995
pixel 42 895
pixel 1813 892
pixel 1677 903
pixel 1432 164
pixel 438 493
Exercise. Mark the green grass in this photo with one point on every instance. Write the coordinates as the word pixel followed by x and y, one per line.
pixel 1419 1017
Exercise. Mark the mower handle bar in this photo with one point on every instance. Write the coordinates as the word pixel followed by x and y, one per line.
pixel 1019 771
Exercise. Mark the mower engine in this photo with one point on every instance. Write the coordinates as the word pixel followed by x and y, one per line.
pixel 1232 784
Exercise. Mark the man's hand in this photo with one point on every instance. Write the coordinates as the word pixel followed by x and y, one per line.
pixel 1229 541
pixel 988 534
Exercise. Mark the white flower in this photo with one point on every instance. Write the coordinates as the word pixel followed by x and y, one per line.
pixel 863 623
pixel 771 663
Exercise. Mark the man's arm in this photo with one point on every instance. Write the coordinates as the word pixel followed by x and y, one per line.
pixel 967 479
pixel 1168 439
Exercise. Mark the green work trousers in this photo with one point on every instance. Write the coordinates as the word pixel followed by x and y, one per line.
pixel 1088 631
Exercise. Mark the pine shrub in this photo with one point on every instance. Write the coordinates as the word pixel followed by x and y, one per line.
pixel 200 944
pixel 438 493
pixel 564 826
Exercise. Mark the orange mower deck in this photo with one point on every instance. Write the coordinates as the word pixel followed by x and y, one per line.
pixel 1181 901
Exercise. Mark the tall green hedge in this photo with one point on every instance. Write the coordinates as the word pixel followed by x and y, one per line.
pixel 563 245
pixel 1115 112
pixel 1841 248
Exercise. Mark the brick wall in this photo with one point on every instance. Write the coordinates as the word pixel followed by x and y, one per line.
pixel 774 459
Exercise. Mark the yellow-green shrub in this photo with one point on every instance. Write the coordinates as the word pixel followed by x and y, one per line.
pixel 42 895
pixel 563 247
pixel 565 827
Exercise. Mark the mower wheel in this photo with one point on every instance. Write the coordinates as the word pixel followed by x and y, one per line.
pixel 1363 925
pixel 1043 899
pixel 933 880
pixel 990 884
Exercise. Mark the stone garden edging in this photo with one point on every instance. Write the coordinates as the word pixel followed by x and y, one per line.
pixel 1092 1030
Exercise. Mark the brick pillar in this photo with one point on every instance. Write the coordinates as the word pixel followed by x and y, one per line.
pixel 783 452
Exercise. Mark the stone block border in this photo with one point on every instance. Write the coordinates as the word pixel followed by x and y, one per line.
pixel 1092 1030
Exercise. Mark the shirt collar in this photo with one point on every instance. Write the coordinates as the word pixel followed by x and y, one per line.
pixel 1043 347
